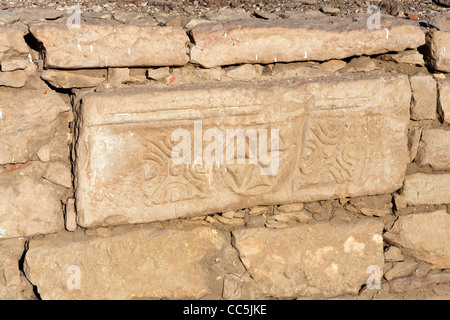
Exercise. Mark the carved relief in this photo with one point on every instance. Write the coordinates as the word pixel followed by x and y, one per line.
pixel 329 152
pixel 166 182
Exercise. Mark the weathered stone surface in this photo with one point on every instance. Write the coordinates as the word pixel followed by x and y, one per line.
pixel 70 217
pixel 413 283
pixel 28 120
pixel 13 285
pixel 401 269
pixel 444 101
pixel 129 172
pixel 11 40
pixel 438 56
pixel 137 263
pixel 158 73
pixel 311 38
pixel 117 76
pixel 422 188
pixel 105 45
pixel 232 287
pixel 245 72
pixel 434 149
pixel 409 56
pixel 424 94
pixel 29 206
pixel 69 79
pixel 393 254
pixel 14 79
pixel 425 236
pixel 322 258
pixel 59 173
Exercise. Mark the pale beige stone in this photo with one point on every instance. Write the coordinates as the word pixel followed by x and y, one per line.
pixel 59 173
pixel 423 188
pixel 438 55
pixel 70 215
pixel 360 64
pixel 126 173
pixel 190 74
pixel 118 76
pixel 225 14
pixel 393 254
pixel 28 120
pixel 333 65
pixel 245 72
pixel 137 263
pixel 14 62
pixel 69 79
pixel 11 40
pixel 424 97
pixel 14 79
pixel 434 149
pixel 299 69
pixel 104 45
pixel 444 101
pixel 425 236
pixel 13 285
pixel 401 269
pixel 308 38
pixel 410 57
pixel 29 207
pixel 292 207
pixel 158 73
pixel 414 136
pixel 322 258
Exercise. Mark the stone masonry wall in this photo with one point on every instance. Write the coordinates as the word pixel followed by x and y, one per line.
pixel 304 158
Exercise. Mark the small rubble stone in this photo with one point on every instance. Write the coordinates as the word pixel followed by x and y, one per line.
pixel 414 283
pixel 158 73
pixel 422 188
pixel 70 79
pixel 14 79
pixel 401 269
pixel 70 215
pixel 393 254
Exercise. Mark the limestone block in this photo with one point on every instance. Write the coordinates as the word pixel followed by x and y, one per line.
pixel 142 262
pixel 108 45
pixel 308 38
pixel 323 258
pixel 28 120
pixel 434 149
pixel 326 139
pixel 423 188
pixel 425 236
pixel 438 56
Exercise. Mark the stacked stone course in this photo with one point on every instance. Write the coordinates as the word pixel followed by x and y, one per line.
pixel 93 206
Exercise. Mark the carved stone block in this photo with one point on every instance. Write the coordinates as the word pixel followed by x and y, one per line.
pixel 148 154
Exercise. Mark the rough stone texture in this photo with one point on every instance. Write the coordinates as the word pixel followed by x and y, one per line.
pixel 28 120
pixel 14 79
pixel 438 55
pixel 401 269
pixel 434 149
pixel 322 258
pixel 68 79
pixel 424 94
pixel 393 254
pixel 423 188
pixel 13 284
pixel 30 205
pixel 414 283
pixel 106 45
pixel 11 40
pixel 425 236
pixel 312 38
pixel 444 101
pixel 353 135
pixel 70 217
pixel 137 263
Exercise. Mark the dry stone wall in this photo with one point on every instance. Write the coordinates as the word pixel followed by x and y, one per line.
pixel 242 159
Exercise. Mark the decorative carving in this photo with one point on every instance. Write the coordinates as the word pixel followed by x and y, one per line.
pixel 328 153
pixel 167 182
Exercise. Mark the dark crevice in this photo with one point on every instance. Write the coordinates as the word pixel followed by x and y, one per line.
pixel 22 269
